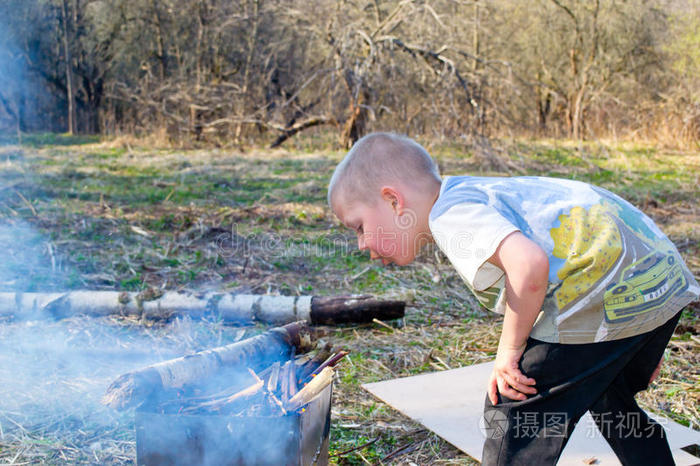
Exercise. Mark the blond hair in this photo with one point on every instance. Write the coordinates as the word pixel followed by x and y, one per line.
pixel 381 158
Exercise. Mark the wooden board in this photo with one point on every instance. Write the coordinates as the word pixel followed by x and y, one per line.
pixel 454 411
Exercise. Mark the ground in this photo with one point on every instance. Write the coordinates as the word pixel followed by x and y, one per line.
pixel 115 215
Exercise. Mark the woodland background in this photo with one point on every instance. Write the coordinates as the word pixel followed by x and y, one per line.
pixel 260 71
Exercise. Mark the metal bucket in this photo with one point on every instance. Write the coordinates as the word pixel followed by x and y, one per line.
pixel 299 438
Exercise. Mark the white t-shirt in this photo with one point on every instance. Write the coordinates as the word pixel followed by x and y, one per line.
pixel 613 273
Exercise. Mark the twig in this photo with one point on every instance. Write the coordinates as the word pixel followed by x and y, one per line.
pixel 401 450
pixel 366 444
pixel 359 274
pixel 278 403
pixel 245 393
pixel 377 321
pixel 29 204
pixel 363 458
pixel 439 359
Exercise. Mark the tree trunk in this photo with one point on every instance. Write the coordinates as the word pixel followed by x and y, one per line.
pixel 252 40
pixel 475 37
pixel 277 344
pixel 160 42
pixel 354 127
pixel 544 105
pixel 69 69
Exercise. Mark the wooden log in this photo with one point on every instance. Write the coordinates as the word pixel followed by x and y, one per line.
pixel 133 388
pixel 353 308
pixel 229 307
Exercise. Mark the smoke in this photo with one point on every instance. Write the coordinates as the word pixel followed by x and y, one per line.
pixel 53 373
pixel 29 101
pixel 12 77
pixel 29 259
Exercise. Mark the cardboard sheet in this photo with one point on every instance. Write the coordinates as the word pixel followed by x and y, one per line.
pixel 450 403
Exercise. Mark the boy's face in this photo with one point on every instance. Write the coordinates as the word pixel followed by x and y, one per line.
pixel 388 236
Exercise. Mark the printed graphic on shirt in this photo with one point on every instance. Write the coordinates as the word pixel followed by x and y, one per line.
pixel 590 243
pixel 488 297
pixel 644 286
pixel 630 272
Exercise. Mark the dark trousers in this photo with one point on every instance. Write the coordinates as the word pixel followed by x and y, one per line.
pixel 571 379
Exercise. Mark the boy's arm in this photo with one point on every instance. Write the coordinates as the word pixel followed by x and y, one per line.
pixel 527 270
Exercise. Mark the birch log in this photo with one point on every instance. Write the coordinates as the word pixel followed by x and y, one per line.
pixel 229 307
pixel 132 388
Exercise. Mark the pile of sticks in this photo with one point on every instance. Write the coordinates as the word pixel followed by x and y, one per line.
pixel 277 390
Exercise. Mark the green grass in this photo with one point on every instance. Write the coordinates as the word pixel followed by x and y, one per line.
pixel 37 140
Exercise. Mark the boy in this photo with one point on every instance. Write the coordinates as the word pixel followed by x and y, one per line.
pixel 590 289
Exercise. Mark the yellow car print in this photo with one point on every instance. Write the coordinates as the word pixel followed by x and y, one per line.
pixel 643 286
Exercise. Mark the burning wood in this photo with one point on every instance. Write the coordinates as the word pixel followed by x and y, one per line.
pixel 288 383
pixel 133 388
pixel 248 426
pixel 292 381
pixel 274 377
pixel 311 389
pixel 331 361
pixel 272 392
pixel 308 367
pixel 240 396
pixel 238 308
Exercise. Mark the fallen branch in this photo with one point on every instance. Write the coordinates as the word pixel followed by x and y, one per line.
pixel 290 131
pixel 133 388
pixel 234 308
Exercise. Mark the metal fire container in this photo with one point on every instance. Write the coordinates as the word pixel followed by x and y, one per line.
pixel 299 438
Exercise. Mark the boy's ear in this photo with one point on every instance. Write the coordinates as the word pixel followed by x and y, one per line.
pixel 393 196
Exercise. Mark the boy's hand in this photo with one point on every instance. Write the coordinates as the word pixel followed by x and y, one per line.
pixel 507 378
pixel 526 267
